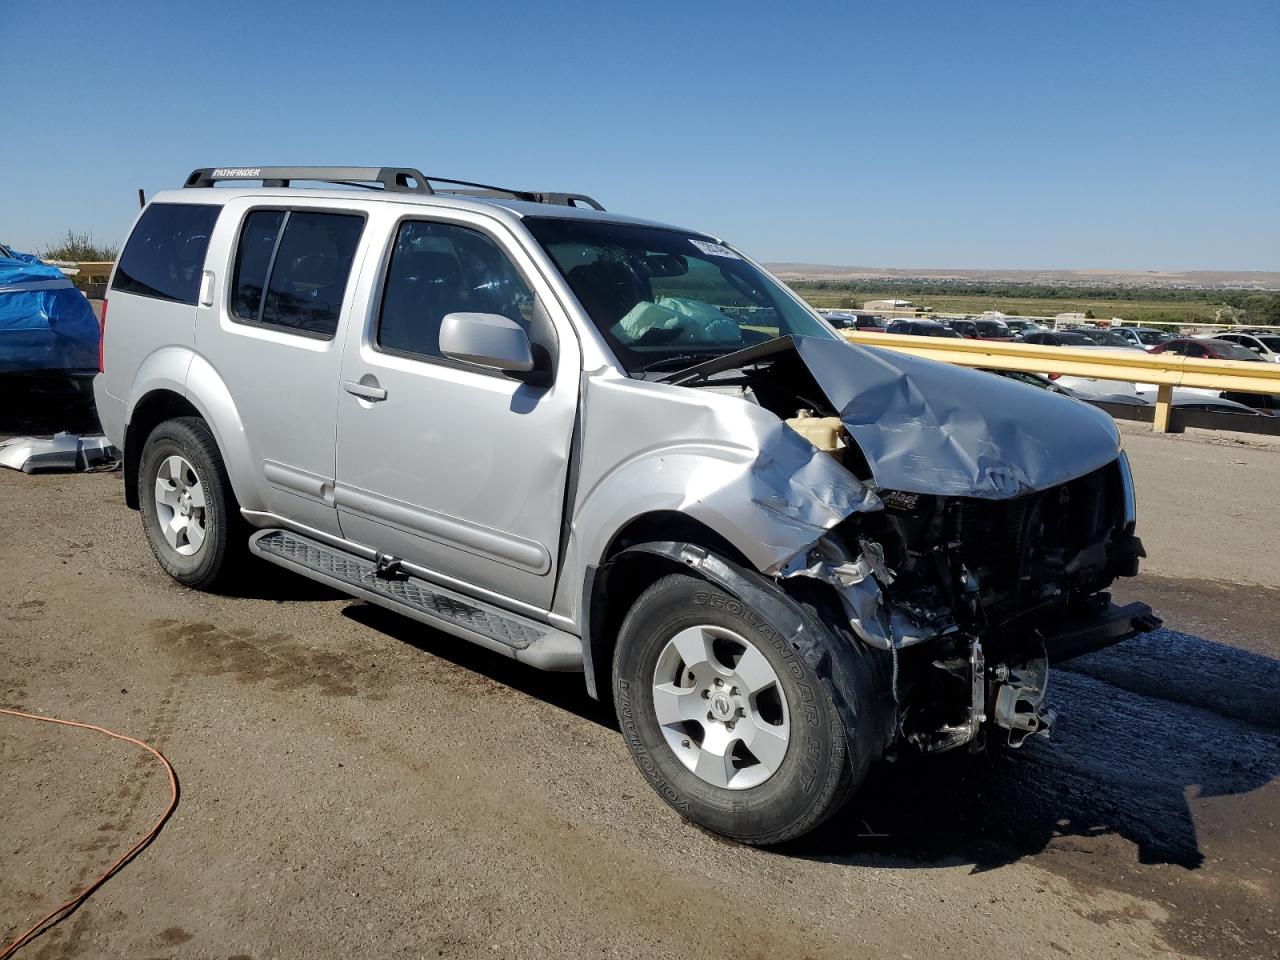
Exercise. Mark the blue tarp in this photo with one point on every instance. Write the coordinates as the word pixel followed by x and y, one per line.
pixel 46 324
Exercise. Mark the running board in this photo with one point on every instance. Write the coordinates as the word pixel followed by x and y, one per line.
pixel 528 641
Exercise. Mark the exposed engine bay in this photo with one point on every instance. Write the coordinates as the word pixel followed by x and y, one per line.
pixel 971 596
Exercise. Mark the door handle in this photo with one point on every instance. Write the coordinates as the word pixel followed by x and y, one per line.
pixel 365 391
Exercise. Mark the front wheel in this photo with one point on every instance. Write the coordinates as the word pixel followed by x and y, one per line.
pixel 724 718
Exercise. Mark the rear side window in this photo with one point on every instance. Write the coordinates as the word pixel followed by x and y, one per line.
pixel 292 269
pixel 165 252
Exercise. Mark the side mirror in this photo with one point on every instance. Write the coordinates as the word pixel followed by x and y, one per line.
pixel 487 340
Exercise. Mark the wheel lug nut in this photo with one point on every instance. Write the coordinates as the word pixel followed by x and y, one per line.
pixel 706 694
pixel 710 715
pixel 719 682
pixel 684 743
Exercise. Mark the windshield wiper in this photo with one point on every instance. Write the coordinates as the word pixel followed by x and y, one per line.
pixel 679 360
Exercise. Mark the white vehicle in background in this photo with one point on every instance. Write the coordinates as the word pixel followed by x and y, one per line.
pixel 1091 388
pixel 1144 337
pixel 1266 344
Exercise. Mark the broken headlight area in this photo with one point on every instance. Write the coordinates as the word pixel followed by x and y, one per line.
pixel 971 596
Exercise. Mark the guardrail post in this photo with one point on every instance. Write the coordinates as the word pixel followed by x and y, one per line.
pixel 1164 406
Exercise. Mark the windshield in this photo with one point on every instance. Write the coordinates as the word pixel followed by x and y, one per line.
pixel 1271 343
pixel 992 328
pixel 1152 337
pixel 1069 338
pixel 664 299
pixel 1106 338
pixel 1233 351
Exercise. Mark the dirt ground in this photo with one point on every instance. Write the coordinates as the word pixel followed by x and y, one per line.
pixel 355 784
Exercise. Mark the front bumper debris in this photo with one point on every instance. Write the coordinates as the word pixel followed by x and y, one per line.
pixel 1108 625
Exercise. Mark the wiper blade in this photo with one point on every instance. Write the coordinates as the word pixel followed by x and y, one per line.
pixel 679 360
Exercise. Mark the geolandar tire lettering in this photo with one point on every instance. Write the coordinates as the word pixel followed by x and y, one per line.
pixel 724 718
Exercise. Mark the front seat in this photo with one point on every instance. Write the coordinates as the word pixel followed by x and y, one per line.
pixel 606 289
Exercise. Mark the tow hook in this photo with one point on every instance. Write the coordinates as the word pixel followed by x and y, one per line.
pixel 1019 701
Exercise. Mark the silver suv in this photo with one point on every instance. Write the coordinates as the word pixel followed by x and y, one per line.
pixel 598 444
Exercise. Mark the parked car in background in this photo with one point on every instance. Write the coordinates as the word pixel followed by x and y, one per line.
pixel 1144 337
pixel 1106 337
pixel 1207 348
pixel 849 320
pixel 1182 399
pixel 1020 325
pixel 922 328
pixel 1264 403
pixel 981 329
pixel 1225 403
pixel 1092 387
pixel 1265 345
pixel 1057 338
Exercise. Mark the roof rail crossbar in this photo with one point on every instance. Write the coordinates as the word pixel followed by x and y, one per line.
pixel 398 179
pixel 534 196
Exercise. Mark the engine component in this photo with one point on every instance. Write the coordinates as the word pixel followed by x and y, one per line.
pixel 825 433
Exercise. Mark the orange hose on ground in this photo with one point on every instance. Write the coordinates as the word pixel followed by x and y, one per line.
pixel 61 913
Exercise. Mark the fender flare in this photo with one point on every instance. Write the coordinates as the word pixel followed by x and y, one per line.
pixel 839 660
pixel 206 391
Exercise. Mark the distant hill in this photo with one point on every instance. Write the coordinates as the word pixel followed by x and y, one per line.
pixel 1167 279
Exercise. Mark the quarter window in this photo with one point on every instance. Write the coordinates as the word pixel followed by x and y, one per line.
pixel 292 269
pixel 437 269
pixel 165 253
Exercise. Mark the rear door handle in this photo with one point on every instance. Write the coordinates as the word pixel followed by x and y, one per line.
pixel 365 391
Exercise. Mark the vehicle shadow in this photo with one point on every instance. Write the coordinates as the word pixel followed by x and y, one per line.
pixel 564 690
pixel 1123 760
pixel 260 580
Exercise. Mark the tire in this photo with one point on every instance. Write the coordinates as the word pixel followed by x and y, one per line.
pixel 210 539
pixel 777 797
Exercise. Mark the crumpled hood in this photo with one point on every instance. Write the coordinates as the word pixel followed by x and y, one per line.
pixel 934 428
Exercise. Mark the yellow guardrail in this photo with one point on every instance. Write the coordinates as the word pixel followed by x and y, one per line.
pixel 95 268
pixel 1165 370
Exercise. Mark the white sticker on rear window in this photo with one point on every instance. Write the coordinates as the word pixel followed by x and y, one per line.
pixel 715 249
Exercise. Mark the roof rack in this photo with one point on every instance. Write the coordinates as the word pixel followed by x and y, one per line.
pixel 396 179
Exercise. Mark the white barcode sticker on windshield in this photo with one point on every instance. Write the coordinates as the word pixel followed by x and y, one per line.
pixel 715 249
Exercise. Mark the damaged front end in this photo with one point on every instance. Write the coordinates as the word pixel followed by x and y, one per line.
pixel 1005 516
pixel 974 599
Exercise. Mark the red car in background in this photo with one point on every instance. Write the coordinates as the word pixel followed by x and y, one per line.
pixel 1206 349
pixel 981 329
pixel 1267 404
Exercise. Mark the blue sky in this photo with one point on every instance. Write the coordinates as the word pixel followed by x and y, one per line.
pixel 913 134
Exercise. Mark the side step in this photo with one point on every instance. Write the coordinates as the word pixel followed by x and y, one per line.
pixel 528 641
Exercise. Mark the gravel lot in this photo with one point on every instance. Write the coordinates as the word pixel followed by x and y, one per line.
pixel 353 783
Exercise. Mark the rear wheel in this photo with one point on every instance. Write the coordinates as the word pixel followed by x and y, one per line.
pixel 724 718
pixel 189 513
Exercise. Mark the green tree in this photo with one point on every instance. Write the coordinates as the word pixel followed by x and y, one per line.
pixel 79 247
